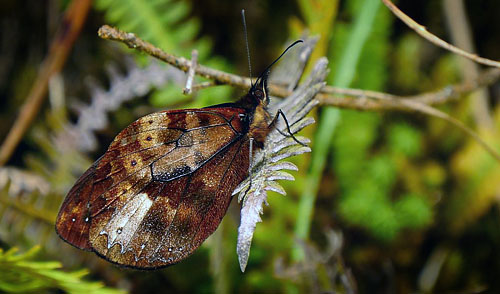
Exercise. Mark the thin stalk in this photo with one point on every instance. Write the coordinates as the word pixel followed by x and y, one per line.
pixel 330 117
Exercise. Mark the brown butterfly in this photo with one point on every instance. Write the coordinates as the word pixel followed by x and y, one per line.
pixel 165 182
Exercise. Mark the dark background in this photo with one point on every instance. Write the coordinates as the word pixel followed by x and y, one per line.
pixel 408 192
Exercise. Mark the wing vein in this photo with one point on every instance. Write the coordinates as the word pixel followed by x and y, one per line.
pixel 222 178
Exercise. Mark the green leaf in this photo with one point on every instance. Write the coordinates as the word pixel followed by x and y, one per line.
pixel 21 273
pixel 405 139
pixel 413 211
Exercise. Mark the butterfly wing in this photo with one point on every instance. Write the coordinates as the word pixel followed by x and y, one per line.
pixel 73 220
pixel 164 184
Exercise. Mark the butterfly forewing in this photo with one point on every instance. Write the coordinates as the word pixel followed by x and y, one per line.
pixel 161 188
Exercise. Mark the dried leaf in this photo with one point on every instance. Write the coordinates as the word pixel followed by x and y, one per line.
pixel 265 169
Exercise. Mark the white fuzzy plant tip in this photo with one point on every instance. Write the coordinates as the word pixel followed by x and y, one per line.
pixel 268 164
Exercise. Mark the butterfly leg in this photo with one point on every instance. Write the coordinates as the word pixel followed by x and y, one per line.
pixel 272 125
pixel 250 156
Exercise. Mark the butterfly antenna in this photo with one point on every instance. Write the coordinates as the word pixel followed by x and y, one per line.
pixel 246 43
pixel 276 60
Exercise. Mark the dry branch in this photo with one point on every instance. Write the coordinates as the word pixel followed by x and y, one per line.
pixel 372 100
pixel 349 98
pixel 331 96
pixel 422 31
pixel 69 29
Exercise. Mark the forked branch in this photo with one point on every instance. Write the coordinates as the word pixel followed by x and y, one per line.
pixel 332 96
pixel 422 31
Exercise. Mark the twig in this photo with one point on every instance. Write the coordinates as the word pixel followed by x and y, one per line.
pixel 61 45
pixel 344 98
pixel 107 32
pixel 417 103
pixel 422 31
pixel 365 100
pixel 204 85
pixel 429 110
pixel 190 76
pixel 461 35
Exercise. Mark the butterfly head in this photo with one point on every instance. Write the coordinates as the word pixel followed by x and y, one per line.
pixel 259 90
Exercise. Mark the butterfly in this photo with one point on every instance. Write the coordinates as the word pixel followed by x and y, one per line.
pixel 165 182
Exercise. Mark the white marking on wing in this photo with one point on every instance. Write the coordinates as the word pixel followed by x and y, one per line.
pixel 122 226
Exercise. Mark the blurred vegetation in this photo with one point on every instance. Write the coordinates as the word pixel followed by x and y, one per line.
pixel 413 201
pixel 20 274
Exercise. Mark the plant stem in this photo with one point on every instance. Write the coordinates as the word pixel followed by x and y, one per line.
pixel 330 118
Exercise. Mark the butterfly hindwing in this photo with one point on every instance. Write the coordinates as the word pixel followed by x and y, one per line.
pixel 183 213
pixel 73 220
pixel 163 185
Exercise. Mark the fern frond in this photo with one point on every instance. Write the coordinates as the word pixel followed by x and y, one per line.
pixel 21 273
pixel 161 22
pixel 136 82
pixel 266 165
pixel 166 23
pixel 28 217
pixel 20 181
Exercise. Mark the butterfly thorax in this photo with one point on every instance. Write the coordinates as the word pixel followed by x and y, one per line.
pixel 255 102
pixel 259 126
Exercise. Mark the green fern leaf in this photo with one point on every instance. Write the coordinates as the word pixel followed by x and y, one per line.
pixel 21 273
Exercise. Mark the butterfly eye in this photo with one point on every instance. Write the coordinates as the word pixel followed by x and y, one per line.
pixel 259 94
